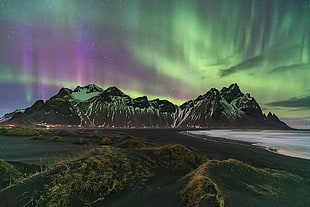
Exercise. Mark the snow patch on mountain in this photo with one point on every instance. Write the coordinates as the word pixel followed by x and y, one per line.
pixel 86 92
pixel 92 106
pixel 84 95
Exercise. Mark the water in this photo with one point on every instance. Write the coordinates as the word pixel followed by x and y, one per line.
pixel 293 143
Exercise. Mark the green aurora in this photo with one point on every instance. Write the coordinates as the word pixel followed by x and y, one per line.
pixel 173 49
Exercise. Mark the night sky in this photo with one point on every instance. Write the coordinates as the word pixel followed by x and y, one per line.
pixel 173 49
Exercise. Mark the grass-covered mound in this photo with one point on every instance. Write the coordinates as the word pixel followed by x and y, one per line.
pixel 238 184
pixel 105 141
pixel 201 191
pixel 173 156
pixel 128 170
pixel 3 131
pixel 131 144
pixel 56 139
pixel 127 141
pixel 105 171
pixel 80 141
pixel 38 137
pixel 21 131
pixel 66 133
pixel 8 174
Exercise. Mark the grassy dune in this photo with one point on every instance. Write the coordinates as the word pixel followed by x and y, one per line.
pixel 238 184
pixel 9 175
pixel 104 171
pixel 245 185
pixel 129 170
pixel 19 131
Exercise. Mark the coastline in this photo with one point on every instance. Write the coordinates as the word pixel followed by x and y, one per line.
pixel 233 161
pixel 262 140
pixel 222 149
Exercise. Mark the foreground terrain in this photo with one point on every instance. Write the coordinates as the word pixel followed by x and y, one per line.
pixel 152 168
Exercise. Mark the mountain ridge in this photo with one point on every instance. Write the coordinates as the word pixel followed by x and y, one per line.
pixel 92 106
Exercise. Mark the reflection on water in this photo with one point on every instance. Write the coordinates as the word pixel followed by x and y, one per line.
pixel 292 143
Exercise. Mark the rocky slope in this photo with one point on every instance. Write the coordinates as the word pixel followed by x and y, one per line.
pixel 93 106
pixel 8 116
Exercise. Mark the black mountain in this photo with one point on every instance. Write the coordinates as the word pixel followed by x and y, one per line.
pixel 93 106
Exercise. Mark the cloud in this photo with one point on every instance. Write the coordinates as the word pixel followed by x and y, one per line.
pixel 245 65
pixel 296 102
pixel 306 118
pixel 277 53
pixel 285 68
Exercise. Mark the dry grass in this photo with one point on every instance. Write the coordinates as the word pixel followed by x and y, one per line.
pixel 8 174
pixel 91 179
pixel 38 137
pixel 81 141
pixel 56 139
pixel 215 181
pixel 21 131
pixel 131 144
pixel 106 170
pixel 93 136
pixel 246 178
pixel 105 141
pixel 201 189
pixel 176 156
pixel 67 134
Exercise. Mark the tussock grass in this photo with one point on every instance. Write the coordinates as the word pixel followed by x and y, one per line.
pixel 21 131
pixel 201 189
pixel 81 141
pixel 175 156
pixel 8 174
pixel 56 139
pixel 67 134
pixel 93 136
pixel 106 170
pixel 246 178
pixel 234 183
pixel 105 141
pixel 3 131
pixel 131 144
pixel 91 179
pixel 38 137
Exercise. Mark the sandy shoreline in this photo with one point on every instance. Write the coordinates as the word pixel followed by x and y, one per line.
pixel 275 141
pixel 212 147
pixel 221 159
pixel 225 149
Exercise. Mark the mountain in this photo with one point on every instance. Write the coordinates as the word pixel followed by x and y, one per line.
pixel 8 116
pixel 92 106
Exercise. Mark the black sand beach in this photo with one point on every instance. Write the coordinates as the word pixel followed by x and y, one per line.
pixel 271 179
pixel 217 148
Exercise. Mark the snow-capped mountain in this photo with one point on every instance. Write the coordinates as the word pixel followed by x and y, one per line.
pixel 79 93
pixel 92 106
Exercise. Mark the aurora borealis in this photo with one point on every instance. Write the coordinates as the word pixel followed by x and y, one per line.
pixel 173 49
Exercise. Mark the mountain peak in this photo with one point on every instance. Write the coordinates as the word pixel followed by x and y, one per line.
pixel 232 92
pixel 63 93
pixel 92 106
pixel 89 88
pixel 141 102
pixel 113 90
pixel 234 85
